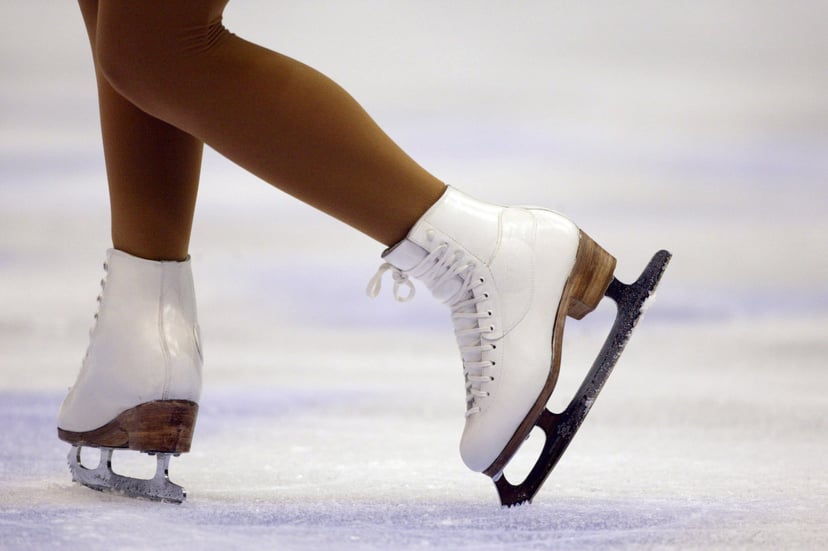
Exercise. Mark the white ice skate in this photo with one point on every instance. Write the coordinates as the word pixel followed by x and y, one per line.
pixel 140 381
pixel 511 276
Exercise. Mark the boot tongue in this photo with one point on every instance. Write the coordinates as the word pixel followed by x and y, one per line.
pixel 404 255
pixel 407 255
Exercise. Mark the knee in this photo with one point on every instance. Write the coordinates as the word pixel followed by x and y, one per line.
pixel 145 57
pixel 131 65
pixel 158 54
pixel 159 69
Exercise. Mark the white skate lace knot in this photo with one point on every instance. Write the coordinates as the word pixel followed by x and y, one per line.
pixel 400 278
pixel 441 270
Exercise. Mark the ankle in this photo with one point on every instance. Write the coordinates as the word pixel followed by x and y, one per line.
pixel 152 252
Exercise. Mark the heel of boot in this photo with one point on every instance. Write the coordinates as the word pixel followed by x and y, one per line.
pixel 164 426
pixel 161 426
pixel 591 275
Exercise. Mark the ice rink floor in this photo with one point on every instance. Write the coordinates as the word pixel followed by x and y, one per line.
pixel 330 421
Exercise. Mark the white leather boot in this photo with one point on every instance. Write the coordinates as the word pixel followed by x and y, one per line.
pixel 510 277
pixel 140 381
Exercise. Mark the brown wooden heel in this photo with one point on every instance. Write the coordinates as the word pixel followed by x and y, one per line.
pixel 590 277
pixel 160 426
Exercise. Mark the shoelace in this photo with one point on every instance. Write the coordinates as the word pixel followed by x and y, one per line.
pixel 97 315
pixel 98 310
pixel 100 296
pixel 437 269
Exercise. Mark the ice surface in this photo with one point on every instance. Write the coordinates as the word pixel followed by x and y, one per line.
pixel 332 421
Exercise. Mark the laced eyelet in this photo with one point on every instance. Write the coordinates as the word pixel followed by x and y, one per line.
pixel 439 269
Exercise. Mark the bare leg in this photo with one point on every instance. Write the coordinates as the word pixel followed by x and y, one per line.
pixel 152 168
pixel 274 116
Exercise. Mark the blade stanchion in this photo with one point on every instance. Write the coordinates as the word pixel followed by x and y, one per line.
pixel 104 479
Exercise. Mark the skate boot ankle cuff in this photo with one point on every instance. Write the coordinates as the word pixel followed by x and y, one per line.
pixel 113 252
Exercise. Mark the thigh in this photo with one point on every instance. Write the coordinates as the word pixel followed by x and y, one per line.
pixel 164 12
pixel 89 11
pixel 148 24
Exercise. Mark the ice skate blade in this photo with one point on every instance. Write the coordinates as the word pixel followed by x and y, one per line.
pixel 560 428
pixel 104 479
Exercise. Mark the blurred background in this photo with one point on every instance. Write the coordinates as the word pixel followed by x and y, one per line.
pixel 700 127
